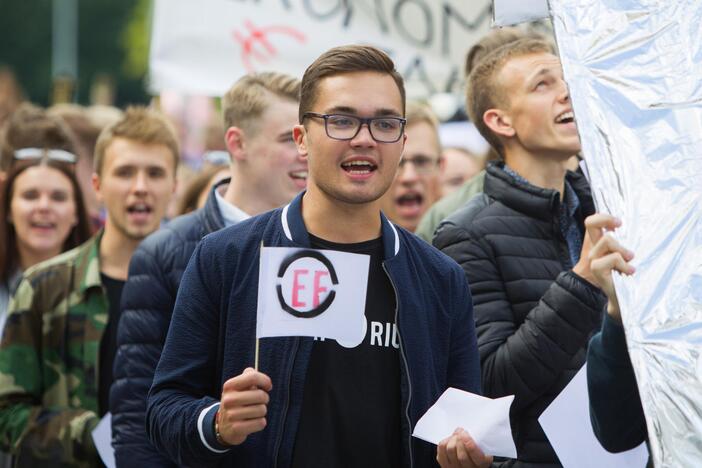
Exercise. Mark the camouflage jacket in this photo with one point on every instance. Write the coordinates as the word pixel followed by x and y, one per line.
pixel 49 358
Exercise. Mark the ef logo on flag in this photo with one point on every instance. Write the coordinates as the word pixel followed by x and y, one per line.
pixel 318 293
pixel 308 305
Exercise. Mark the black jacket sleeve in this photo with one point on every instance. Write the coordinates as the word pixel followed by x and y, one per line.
pixel 523 359
pixel 615 407
pixel 147 304
pixel 181 405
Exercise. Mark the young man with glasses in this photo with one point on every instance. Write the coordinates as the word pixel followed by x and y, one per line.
pixel 58 347
pixel 316 402
pixel 416 186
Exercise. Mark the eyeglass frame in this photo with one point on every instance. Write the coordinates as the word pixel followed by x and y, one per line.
pixel 31 154
pixel 362 121
pixel 432 164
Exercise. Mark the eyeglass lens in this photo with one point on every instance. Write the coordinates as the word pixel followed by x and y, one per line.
pixel 382 129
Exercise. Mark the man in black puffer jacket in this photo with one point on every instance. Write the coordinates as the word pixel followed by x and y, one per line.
pixel 260 111
pixel 522 242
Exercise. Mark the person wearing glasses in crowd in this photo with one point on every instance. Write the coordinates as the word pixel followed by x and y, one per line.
pixel 41 206
pixel 316 402
pixel 58 348
pixel 266 171
pixel 416 185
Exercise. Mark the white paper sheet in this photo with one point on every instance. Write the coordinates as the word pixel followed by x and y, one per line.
pixel 305 284
pixel 102 436
pixel 567 425
pixel 485 419
pixel 509 12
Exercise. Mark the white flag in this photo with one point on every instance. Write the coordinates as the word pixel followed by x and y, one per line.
pixel 306 292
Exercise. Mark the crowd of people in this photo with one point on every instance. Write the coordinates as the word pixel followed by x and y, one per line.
pixel 494 279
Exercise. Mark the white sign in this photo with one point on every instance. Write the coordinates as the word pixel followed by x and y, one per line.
pixel 485 419
pixel 567 425
pixel 203 47
pixel 509 12
pixel 306 292
pixel 102 436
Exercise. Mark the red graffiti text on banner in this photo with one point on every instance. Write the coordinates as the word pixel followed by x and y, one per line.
pixel 261 36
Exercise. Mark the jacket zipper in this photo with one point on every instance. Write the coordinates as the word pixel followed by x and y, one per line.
pixel 287 402
pixel 404 361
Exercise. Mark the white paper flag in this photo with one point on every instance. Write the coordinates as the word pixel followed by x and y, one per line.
pixel 566 423
pixel 102 436
pixel 485 419
pixel 319 293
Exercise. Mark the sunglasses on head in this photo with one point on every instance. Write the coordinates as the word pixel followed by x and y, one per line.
pixel 26 154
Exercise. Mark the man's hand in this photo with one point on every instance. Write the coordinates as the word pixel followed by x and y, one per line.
pixel 460 450
pixel 243 407
pixel 601 255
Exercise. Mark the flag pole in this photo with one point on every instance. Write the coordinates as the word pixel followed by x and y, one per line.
pixel 256 357
pixel 257 339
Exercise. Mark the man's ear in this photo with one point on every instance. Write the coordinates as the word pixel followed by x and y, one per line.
pixel 235 139
pixel 95 180
pixel 499 122
pixel 300 137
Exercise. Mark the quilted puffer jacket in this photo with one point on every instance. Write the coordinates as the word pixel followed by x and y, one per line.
pixel 147 305
pixel 534 315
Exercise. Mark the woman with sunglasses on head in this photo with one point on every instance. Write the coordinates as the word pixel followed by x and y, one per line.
pixel 42 212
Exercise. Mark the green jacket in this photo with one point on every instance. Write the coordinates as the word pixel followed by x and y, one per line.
pixel 49 358
pixel 447 205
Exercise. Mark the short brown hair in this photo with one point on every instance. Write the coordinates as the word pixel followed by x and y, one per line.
pixel 484 91
pixel 31 126
pixel 140 124
pixel 248 98
pixel 346 59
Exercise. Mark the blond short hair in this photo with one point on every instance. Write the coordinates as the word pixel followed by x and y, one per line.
pixel 249 97
pixel 484 91
pixel 418 112
pixel 142 125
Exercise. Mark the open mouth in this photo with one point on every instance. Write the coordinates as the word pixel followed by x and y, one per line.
pixel 409 204
pixel 359 167
pixel 299 175
pixel 299 178
pixel 565 118
pixel 139 209
pixel 42 225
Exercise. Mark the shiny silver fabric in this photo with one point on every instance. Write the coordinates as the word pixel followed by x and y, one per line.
pixel 634 68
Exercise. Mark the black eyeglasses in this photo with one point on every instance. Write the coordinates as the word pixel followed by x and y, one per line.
pixel 40 153
pixel 346 127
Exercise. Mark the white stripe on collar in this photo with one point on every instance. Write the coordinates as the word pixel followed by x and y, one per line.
pixel 284 219
pixel 286 228
pixel 397 237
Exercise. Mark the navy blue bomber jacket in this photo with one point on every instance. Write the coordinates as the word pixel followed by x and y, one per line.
pixel 213 331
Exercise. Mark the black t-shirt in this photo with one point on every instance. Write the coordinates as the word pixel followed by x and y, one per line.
pixel 351 406
pixel 108 344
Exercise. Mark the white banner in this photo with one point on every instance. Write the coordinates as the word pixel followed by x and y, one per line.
pixel 203 47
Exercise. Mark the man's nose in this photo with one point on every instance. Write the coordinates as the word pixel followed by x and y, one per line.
pixel 407 172
pixel 140 182
pixel 364 136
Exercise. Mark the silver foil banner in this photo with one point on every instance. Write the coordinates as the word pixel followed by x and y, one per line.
pixel 634 68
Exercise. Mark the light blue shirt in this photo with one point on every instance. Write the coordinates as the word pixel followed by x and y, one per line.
pixel 230 213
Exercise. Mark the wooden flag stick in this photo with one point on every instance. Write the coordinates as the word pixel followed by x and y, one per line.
pixel 256 356
pixel 260 253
